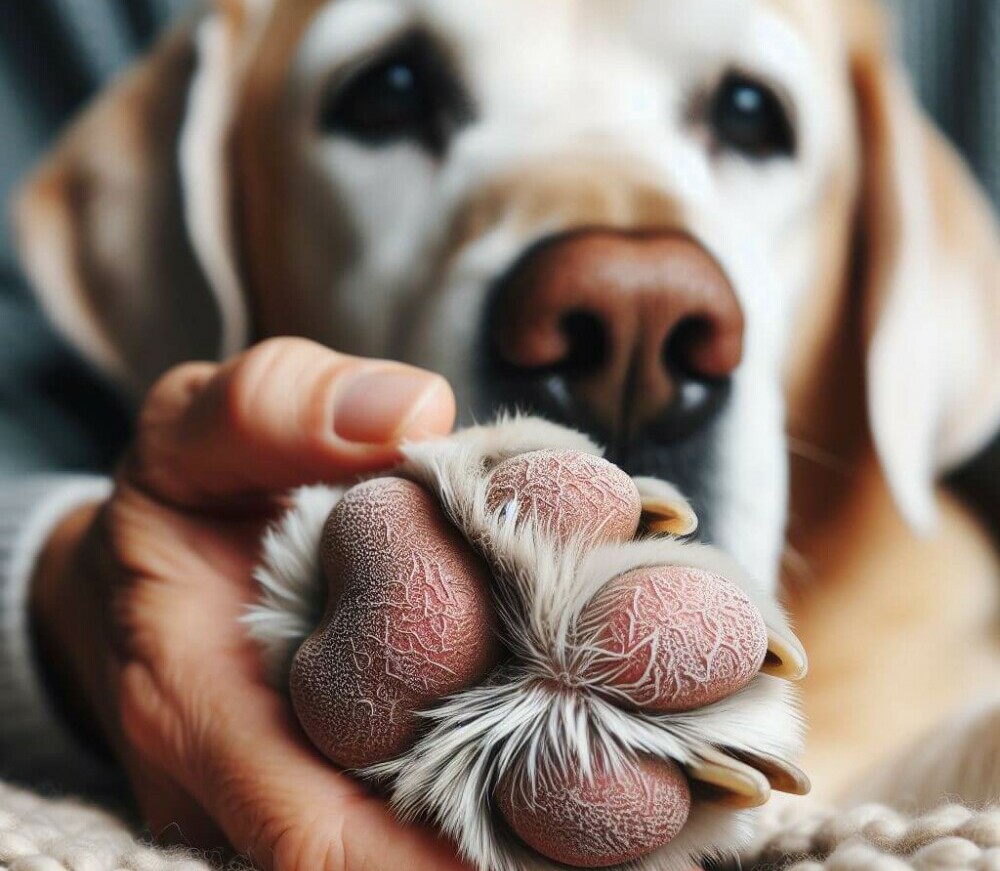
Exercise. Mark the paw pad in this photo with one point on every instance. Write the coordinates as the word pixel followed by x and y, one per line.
pixel 673 638
pixel 598 819
pixel 567 493
pixel 409 620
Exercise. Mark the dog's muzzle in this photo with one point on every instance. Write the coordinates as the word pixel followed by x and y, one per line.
pixel 629 336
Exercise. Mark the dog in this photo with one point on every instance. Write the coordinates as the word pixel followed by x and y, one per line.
pixel 718 236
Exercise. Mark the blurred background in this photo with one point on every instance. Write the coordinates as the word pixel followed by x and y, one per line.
pixel 55 54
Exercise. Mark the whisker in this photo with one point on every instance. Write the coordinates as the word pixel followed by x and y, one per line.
pixel 797 564
pixel 815 454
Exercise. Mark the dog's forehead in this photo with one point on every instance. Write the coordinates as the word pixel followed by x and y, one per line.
pixel 522 26
pixel 819 22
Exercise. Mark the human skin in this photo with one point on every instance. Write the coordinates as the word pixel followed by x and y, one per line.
pixel 136 603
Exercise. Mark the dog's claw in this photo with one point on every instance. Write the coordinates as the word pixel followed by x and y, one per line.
pixel 782 775
pixel 728 781
pixel 664 508
pixel 786 657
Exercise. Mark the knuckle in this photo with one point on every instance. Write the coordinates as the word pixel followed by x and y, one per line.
pixel 155 444
pixel 299 848
pixel 281 372
pixel 174 388
pixel 249 391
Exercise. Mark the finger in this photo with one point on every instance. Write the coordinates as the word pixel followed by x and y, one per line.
pixel 285 413
pixel 170 813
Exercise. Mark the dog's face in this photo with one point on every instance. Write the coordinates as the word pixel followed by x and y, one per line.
pixel 638 218
pixel 429 148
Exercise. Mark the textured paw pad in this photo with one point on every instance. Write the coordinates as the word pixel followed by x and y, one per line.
pixel 597 820
pixel 674 638
pixel 567 493
pixel 409 620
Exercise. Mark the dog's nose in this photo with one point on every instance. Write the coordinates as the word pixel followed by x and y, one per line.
pixel 632 333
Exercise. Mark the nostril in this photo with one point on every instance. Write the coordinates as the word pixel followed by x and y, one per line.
pixel 687 346
pixel 693 357
pixel 587 342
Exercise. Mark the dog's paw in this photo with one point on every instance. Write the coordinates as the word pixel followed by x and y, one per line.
pixel 516 646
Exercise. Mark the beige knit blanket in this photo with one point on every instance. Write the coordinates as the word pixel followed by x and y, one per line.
pixel 39 834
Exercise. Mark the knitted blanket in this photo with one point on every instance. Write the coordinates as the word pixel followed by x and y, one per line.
pixel 38 834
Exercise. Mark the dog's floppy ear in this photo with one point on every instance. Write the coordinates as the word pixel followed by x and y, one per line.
pixel 124 229
pixel 930 265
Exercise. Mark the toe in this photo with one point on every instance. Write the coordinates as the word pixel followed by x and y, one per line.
pixel 671 638
pixel 409 620
pixel 568 493
pixel 606 818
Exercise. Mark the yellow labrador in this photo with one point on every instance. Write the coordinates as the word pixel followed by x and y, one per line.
pixel 717 234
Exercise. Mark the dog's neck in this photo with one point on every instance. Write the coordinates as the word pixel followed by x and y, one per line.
pixel 900 629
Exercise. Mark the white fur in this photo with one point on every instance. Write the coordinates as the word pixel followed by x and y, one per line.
pixel 207 196
pixel 292 588
pixel 540 591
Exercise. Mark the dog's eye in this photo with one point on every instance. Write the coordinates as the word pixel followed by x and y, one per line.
pixel 381 104
pixel 749 117
pixel 407 95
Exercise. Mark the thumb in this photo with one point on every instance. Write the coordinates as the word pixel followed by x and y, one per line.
pixel 285 413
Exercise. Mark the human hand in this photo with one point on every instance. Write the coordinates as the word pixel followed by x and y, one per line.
pixel 136 602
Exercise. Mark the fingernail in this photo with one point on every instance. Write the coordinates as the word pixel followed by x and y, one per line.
pixel 380 406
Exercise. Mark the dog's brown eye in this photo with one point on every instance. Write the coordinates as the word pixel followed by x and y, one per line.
pixel 748 117
pixel 407 95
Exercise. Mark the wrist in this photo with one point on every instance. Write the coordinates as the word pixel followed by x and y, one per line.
pixel 65 613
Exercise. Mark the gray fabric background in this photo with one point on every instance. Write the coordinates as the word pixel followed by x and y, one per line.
pixel 952 48
pixel 55 53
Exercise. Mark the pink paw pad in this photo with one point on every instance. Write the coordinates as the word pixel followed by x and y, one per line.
pixel 409 620
pixel 568 493
pixel 607 819
pixel 673 638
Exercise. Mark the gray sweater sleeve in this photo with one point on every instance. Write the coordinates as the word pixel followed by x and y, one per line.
pixel 61 429
pixel 35 744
